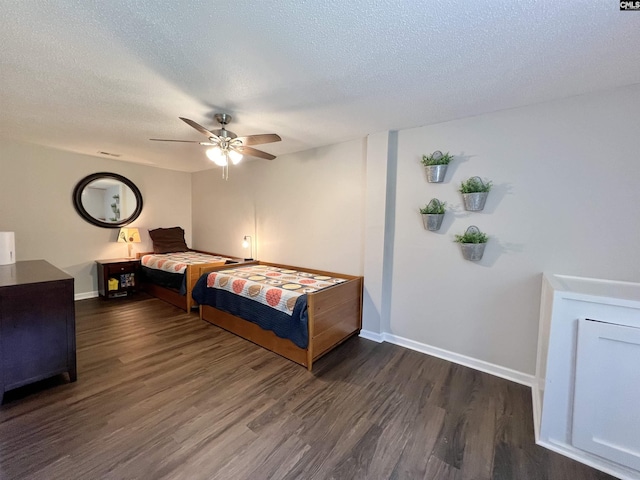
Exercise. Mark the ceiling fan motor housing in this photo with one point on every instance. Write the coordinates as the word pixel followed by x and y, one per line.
pixel 223 132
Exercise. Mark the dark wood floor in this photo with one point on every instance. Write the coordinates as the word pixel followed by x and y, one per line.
pixel 162 395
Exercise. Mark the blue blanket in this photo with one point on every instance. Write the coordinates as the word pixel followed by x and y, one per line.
pixel 292 327
pixel 176 281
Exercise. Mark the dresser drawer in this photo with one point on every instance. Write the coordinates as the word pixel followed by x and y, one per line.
pixel 122 268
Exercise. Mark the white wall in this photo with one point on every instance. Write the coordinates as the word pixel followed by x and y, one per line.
pixel 223 212
pixel 376 301
pixel 304 209
pixel 566 199
pixel 93 202
pixel 36 186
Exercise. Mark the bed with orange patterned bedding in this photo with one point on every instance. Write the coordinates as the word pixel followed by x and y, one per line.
pixel 171 276
pixel 298 313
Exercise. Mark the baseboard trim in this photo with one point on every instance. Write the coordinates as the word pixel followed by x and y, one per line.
pixel 476 364
pixel 85 295
pixel 369 335
pixel 590 460
pixel 536 403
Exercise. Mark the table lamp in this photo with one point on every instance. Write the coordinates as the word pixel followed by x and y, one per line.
pixel 129 236
pixel 247 243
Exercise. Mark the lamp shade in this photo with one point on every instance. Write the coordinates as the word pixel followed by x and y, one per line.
pixel 235 156
pixel 129 235
pixel 217 156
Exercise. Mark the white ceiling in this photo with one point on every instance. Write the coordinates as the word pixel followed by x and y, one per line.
pixel 107 76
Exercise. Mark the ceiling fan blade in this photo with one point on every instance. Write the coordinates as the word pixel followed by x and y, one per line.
pixel 165 140
pixel 198 127
pixel 255 153
pixel 260 139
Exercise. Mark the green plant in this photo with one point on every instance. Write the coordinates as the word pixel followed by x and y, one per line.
pixel 436 158
pixel 432 207
pixel 116 212
pixel 475 185
pixel 472 237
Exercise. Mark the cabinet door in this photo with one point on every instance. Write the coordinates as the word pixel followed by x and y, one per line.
pixel 34 324
pixel 606 417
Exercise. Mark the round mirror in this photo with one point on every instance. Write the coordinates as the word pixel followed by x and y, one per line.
pixel 107 200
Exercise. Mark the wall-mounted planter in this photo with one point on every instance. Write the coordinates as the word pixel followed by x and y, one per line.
pixel 474 202
pixel 472 251
pixel 432 214
pixel 436 173
pixel 474 193
pixel 472 243
pixel 436 166
pixel 432 221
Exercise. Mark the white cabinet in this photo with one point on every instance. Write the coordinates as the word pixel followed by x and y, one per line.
pixel 606 405
pixel 587 391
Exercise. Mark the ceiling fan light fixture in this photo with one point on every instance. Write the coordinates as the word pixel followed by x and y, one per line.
pixel 226 147
pixel 235 156
pixel 216 156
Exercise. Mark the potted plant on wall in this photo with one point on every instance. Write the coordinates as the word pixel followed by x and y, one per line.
pixel 436 165
pixel 474 193
pixel 432 214
pixel 472 243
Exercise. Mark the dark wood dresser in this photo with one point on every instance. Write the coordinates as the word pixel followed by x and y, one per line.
pixel 37 324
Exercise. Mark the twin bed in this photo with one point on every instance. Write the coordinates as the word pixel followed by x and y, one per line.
pixel 172 269
pixel 172 276
pixel 253 301
pixel 298 313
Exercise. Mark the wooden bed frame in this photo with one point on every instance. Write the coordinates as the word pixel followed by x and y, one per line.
pixel 193 273
pixel 335 314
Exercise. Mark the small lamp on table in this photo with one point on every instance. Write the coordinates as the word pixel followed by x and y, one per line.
pixel 129 236
pixel 247 243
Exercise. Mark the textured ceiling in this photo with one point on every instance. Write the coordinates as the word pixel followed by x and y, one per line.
pixel 107 76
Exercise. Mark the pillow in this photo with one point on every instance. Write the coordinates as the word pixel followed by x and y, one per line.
pixel 167 240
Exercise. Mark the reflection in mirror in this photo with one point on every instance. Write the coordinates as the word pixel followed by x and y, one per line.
pixel 107 200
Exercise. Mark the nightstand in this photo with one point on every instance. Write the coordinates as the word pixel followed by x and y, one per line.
pixel 118 277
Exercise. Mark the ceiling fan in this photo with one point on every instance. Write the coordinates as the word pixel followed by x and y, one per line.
pixel 225 145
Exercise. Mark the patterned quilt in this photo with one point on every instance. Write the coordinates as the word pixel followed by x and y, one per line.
pixel 177 262
pixel 278 288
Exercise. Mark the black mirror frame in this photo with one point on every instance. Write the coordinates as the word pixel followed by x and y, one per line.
pixel 77 200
